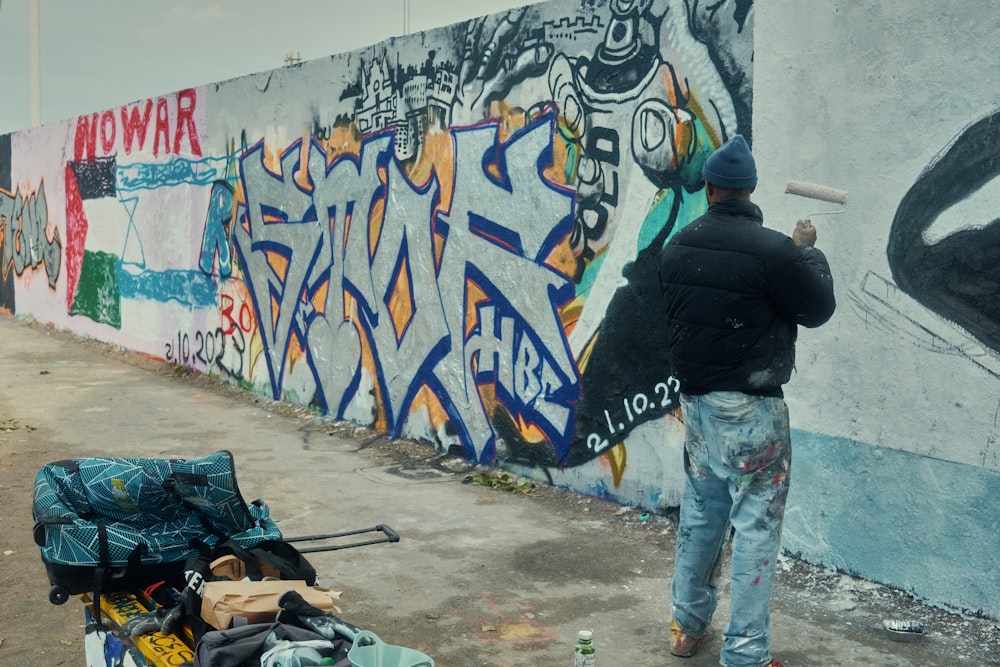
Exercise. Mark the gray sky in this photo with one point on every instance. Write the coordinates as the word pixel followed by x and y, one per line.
pixel 98 54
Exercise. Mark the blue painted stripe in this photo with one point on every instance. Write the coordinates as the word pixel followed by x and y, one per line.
pixel 191 288
pixel 925 526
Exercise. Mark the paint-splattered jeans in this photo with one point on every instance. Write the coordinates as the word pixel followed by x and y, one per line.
pixel 737 455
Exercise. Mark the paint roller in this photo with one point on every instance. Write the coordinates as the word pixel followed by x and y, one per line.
pixel 820 192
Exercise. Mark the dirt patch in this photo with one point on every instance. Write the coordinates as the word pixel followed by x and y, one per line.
pixel 32 631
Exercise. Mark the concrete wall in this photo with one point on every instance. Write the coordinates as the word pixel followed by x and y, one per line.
pixel 896 467
pixel 451 236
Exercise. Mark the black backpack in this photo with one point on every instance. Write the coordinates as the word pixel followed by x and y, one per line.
pixel 272 558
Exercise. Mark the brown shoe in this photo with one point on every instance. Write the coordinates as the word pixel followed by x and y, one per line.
pixel 684 645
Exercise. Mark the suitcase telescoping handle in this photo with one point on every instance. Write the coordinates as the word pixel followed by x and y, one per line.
pixel 389 533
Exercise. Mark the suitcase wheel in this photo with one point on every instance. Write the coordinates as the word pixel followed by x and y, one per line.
pixel 58 595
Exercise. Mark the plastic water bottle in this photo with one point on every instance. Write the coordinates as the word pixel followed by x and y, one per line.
pixel 585 654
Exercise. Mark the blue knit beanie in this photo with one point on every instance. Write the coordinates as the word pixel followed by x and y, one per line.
pixel 731 167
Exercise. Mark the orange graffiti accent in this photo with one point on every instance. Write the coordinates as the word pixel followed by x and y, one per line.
pixel 368 363
pixel 437 157
pixel 296 351
pixel 562 258
pixel 438 152
pixel 685 138
pixel 425 399
pixel 239 196
pixel 529 431
pixel 493 169
pixel 301 177
pixel 318 300
pixel 278 264
pixel 698 110
pixel 488 395
pixel 377 216
pixel 272 159
pixel 275 311
pixel 438 250
pixel 346 233
pixel 435 145
pixel 557 172
pixel 570 314
pixel 673 78
pixel 350 308
pixel 271 218
pixel 255 353
pixel 487 391
pixel 616 458
pixel 474 295
pixel 401 307
pixel 345 139
pixel 512 120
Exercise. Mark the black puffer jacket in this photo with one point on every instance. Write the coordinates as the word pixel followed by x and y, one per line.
pixel 734 293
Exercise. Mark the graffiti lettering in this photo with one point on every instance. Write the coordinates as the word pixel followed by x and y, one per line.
pixel 412 297
pixel 243 319
pixel 181 352
pixel 512 223
pixel 664 398
pixel 26 242
pixel 232 364
pixel 209 348
pixel 125 605
pixel 215 243
pixel 173 123
pixel 522 374
pixel 169 649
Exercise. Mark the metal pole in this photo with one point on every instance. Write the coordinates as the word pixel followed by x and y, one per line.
pixel 406 17
pixel 36 64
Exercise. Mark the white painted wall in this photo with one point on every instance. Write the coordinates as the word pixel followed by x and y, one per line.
pixel 862 97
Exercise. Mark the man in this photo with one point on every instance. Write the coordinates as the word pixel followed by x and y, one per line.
pixel 735 293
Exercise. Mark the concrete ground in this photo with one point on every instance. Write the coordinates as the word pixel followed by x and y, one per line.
pixel 485 572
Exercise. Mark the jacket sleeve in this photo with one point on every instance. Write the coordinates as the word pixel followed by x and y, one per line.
pixel 803 292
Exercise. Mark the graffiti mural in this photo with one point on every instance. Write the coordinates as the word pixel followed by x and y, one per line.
pixel 546 371
pixel 117 161
pixel 952 272
pixel 28 241
pixel 410 289
pixel 450 236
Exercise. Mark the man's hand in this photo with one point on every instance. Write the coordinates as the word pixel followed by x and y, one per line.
pixel 804 235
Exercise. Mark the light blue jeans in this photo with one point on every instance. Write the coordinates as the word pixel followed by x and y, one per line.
pixel 737 458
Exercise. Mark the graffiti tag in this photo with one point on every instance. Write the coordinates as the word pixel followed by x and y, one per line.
pixel 361 228
pixel 26 243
